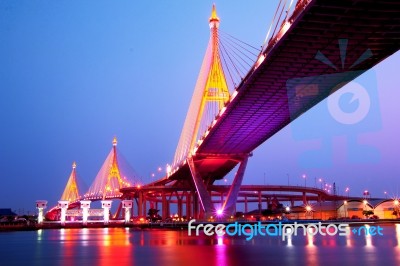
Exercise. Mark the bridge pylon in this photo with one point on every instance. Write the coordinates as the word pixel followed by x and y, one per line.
pixel 210 95
pixel 71 191
pixel 110 178
pixel 209 98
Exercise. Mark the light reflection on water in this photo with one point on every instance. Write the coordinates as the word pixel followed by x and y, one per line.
pixel 368 238
pixel 398 235
pixel 122 246
pixel 349 239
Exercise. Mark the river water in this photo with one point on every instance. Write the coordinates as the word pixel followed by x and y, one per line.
pixel 127 246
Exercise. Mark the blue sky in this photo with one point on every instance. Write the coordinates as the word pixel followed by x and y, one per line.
pixel 74 74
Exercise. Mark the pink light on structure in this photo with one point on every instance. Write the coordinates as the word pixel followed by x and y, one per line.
pixel 220 212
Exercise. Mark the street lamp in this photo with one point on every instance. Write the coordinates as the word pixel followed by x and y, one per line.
pixel 347 191
pixel 309 210
pixel 345 208
pixel 305 180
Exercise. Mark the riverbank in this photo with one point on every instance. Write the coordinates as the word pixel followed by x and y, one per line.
pixel 175 225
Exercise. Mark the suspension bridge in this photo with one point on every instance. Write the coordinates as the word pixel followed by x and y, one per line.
pixel 243 96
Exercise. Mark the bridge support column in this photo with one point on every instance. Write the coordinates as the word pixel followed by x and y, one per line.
pixel 202 193
pixel 63 205
pixel 85 205
pixel 127 205
pixel 167 207
pixel 304 198
pixel 259 203
pixel 164 206
pixel 188 205
pixel 140 203
pixel 106 205
pixel 41 205
pixel 245 204
pixel 230 202
pixel 144 207
pixel 179 207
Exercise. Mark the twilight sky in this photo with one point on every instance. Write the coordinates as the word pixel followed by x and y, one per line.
pixel 73 74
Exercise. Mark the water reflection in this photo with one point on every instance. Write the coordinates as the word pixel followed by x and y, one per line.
pixel 310 236
pixel 122 246
pixel 289 240
pixel 398 242
pixel 368 237
pixel 221 258
pixel 39 235
pixel 85 236
pixel 349 237
pixel 311 251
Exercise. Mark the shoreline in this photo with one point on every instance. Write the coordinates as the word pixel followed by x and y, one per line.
pixel 176 225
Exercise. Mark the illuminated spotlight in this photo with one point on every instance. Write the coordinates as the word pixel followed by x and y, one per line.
pixel 396 202
pixel 219 212
pixel 287 209
pixel 308 208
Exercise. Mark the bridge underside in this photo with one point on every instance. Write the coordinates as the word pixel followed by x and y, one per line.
pixel 291 79
pixel 328 44
pixel 278 91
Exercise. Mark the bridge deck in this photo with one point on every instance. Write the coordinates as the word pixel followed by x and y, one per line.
pixel 291 80
pixel 265 103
